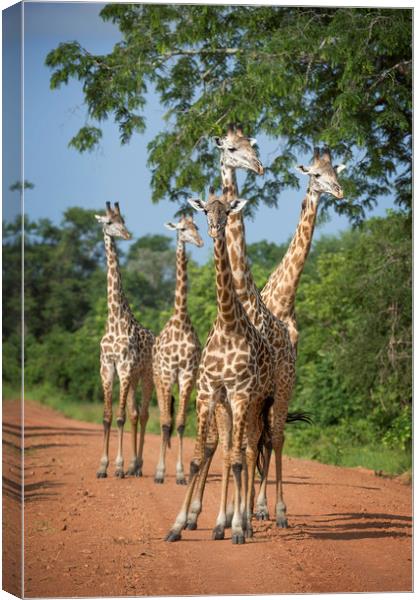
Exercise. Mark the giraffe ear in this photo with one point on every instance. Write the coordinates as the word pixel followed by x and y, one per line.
pixel 102 219
pixel 237 205
pixel 217 141
pixel 170 226
pixel 339 169
pixel 303 169
pixel 197 204
pixel 310 170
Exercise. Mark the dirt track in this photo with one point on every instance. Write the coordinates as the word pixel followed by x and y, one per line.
pixel 350 531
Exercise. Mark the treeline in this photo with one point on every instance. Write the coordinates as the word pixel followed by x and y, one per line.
pixel 353 308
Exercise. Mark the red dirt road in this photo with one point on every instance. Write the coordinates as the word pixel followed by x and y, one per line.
pixel 350 531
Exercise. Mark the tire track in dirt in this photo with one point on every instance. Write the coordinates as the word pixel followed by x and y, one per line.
pixel 350 531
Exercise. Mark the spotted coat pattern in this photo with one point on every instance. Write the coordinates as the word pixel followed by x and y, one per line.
pixel 237 151
pixel 235 377
pixel 125 351
pixel 176 357
pixel 281 288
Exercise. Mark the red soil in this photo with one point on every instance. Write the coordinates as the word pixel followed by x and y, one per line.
pixel 350 531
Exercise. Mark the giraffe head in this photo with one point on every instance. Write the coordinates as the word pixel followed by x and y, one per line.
pixel 187 231
pixel 217 209
pixel 323 175
pixel 238 152
pixel 113 223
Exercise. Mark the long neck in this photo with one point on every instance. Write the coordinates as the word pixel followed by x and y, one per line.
pixel 280 290
pixel 230 311
pixel 181 293
pixel 116 296
pixel 236 243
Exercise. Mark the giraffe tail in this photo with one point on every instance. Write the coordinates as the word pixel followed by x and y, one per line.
pixel 265 436
pixel 172 413
pixel 294 417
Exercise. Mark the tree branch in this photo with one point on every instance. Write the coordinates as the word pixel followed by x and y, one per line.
pixel 389 70
pixel 202 51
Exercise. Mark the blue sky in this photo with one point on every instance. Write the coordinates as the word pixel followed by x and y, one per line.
pixel 64 178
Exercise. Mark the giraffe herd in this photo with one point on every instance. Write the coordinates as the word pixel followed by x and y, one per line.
pixel 244 375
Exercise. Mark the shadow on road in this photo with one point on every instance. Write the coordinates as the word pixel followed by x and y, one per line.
pixel 353 526
pixel 32 491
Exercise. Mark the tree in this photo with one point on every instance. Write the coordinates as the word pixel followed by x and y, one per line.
pixel 354 310
pixel 340 76
pixel 149 279
pixel 62 270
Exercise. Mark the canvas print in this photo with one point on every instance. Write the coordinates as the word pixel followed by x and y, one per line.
pixel 207 299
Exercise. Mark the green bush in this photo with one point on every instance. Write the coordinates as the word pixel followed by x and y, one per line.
pixel 354 368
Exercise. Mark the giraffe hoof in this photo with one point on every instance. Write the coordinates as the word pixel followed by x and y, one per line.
pixel 134 472
pixel 237 538
pixel 191 526
pixel 218 533
pixel 172 536
pixel 249 532
pixel 119 474
pixel 262 514
pixel 101 474
pixel 181 481
pixel 159 480
pixel 282 522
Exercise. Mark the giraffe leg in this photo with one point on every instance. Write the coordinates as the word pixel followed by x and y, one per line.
pixel 133 468
pixel 281 519
pixel 165 400
pixel 196 504
pixel 224 428
pixel 107 374
pixel 251 453
pixel 245 482
pixel 239 407
pixel 257 430
pixel 146 393
pixel 120 421
pixel 196 464
pixel 230 513
pixel 185 389
pixel 279 416
pixel 262 512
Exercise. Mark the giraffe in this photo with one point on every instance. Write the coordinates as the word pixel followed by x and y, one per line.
pixel 280 290
pixel 176 353
pixel 125 349
pixel 237 151
pixel 234 380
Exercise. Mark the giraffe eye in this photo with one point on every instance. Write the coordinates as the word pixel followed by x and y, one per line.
pixel 232 149
pixel 316 175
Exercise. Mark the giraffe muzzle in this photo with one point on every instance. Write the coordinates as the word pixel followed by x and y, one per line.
pixel 257 167
pixel 214 232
